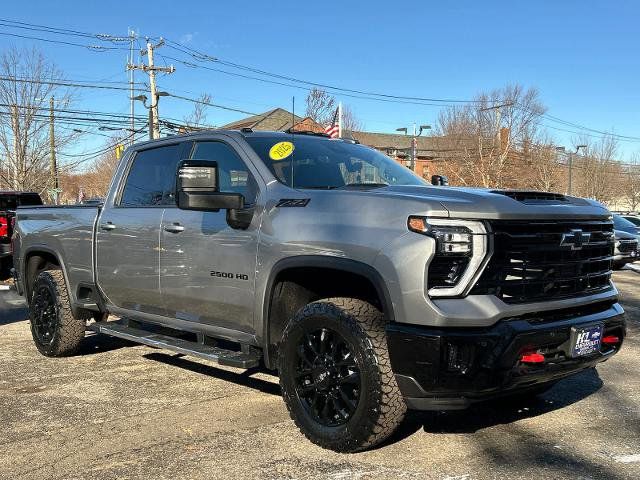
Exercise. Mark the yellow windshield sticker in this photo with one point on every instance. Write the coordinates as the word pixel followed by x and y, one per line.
pixel 281 150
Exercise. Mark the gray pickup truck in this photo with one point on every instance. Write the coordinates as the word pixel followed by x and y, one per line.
pixel 367 289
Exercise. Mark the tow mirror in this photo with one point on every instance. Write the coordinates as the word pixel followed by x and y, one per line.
pixel 439 180
pixel 197 188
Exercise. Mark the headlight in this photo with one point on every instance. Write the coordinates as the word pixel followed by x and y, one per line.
pixel 461 253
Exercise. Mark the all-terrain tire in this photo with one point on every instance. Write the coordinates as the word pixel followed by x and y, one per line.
pixel 66 331
pixel 380 407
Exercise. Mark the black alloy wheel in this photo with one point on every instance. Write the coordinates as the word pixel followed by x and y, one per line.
pixel 327 377
pixel 336 375
pixel 45 314
pixel 57 331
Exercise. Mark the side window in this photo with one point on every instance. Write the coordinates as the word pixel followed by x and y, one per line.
pixel 233 174
pixel 151 178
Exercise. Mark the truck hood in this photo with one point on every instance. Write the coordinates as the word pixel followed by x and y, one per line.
pixel 500 204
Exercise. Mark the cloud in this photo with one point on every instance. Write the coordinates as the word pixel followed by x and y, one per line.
pixel 188 37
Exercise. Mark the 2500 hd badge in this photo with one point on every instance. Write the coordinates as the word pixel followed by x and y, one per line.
pixel 230 275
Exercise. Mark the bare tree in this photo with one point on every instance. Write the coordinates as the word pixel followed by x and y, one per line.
pixel 482 136
pixel 321 106
pixel 630 184
pixel 24 126
pixel 597 173
pixel 198 117
pixel 350 123
pixel 542 169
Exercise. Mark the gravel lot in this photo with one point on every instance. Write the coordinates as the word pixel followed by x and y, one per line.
pixel 125 411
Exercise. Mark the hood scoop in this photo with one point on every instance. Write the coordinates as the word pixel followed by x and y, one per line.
pixel 532 197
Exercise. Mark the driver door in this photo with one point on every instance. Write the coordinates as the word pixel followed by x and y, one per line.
pixel 207 267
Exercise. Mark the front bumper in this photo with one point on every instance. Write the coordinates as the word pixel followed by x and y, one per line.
pixel 450 368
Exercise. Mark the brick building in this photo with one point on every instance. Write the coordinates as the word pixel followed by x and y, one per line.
pixel 430 149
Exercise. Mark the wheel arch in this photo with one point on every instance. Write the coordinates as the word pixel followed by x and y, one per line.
pixel 365 277
pixel 39 258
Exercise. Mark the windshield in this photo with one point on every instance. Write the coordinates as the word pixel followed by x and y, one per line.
pixel 621 223
pixel 634 220
pixel 317 162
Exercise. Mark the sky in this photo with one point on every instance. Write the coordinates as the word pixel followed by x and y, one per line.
pixel 582 56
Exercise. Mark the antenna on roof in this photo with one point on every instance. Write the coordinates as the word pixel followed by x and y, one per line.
pixel 293 122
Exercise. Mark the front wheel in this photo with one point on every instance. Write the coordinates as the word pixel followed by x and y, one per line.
pixel 55 330
pixel 336 376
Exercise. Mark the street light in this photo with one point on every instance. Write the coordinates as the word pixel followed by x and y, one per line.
pixel 413 141
pixel 143 99
pixel 570 155
pixel 424 127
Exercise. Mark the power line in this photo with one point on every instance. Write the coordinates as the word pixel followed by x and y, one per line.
pixel 96 48
pixel 65 83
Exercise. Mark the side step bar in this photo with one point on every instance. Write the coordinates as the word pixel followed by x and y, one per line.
pixel 221 356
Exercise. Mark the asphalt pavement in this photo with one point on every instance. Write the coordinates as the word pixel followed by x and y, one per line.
pixel 118 410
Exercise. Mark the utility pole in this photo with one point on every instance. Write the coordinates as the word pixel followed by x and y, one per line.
pixel 16 148
pixel 571 154
pixel 52 146
pixel 132 85
pixel 151 69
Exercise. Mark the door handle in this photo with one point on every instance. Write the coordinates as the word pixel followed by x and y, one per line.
pixel 175 228
pixel 107 226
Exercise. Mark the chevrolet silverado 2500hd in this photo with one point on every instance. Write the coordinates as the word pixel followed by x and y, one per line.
pixel 368 290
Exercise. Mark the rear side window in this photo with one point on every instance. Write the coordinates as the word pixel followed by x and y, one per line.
pixel 151 178
pixel 8 202
pixel 27 199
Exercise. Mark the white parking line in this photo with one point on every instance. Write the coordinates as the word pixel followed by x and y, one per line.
pixel 632 266
pixel 635 458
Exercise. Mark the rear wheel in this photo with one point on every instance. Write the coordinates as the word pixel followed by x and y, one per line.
pixel 55 330
pixel 336 377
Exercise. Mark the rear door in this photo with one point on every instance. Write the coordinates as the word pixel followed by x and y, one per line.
pixel 128 231
pixel 207 267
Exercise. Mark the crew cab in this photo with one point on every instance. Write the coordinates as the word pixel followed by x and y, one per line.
pixel 367 289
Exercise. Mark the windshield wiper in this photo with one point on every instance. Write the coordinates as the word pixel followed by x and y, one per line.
pixel 365 184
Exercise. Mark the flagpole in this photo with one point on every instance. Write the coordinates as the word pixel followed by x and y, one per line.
pixel 339 119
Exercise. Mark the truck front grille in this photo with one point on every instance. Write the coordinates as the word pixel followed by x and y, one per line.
pixel 543 260
pixel 628 246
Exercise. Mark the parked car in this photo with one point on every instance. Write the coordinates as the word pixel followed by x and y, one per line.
pixel 621 223
pixel 626 249
pixel 366 289
pixel 633 219
pixel 9 202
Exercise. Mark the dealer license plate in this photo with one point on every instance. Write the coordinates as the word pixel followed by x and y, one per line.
pixel 585 341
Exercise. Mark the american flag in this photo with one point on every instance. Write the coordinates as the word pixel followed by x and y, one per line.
pixel 333 130
pixel 81 196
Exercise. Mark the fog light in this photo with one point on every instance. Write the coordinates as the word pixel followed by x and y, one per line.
pixel 610 340
pixel 459 358
pixel 532 358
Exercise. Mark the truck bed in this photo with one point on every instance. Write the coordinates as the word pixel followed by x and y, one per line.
pixel 67 231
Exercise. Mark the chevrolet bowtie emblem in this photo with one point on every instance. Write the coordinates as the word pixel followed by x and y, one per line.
pixel 575 239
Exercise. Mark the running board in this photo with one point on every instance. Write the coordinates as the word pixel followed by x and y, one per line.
pixel 221 356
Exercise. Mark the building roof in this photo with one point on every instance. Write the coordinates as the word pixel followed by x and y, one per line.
pixel 277 119
pixel 280 119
